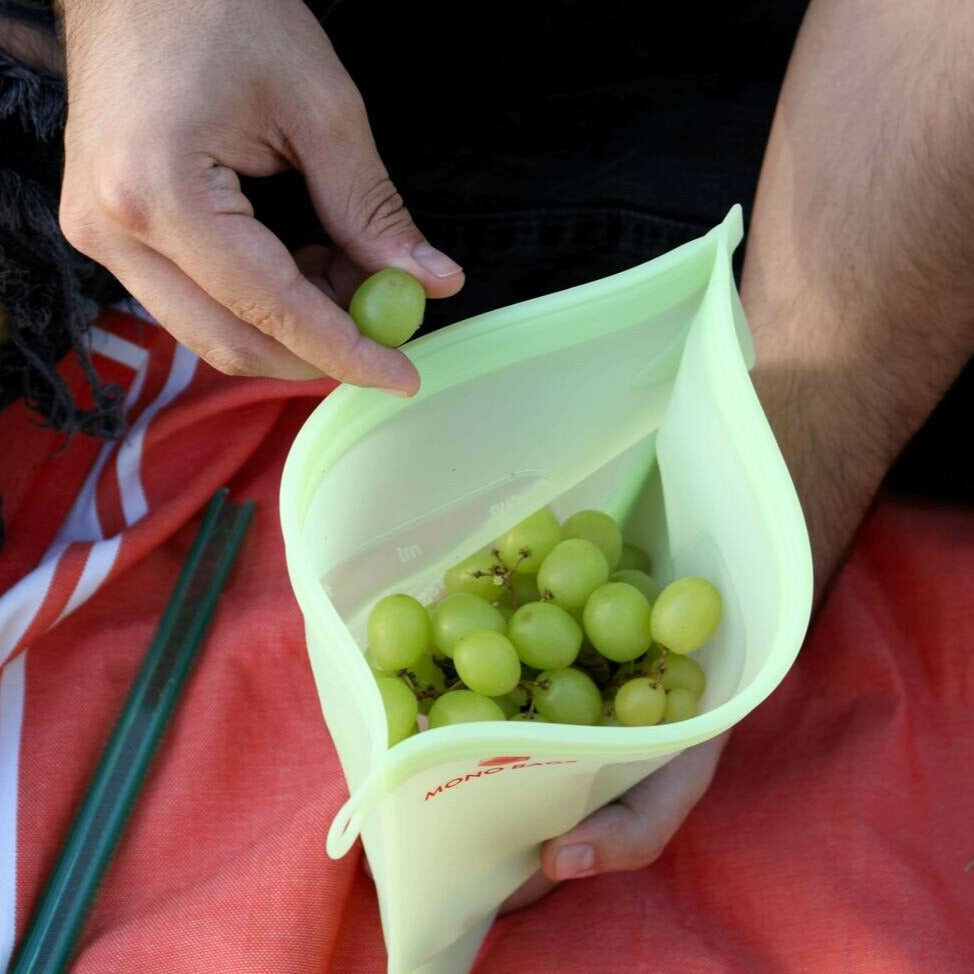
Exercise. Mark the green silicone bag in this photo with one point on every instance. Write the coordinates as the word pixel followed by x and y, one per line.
pixel 630 394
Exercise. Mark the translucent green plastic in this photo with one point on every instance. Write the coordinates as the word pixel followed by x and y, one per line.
pixel 630 394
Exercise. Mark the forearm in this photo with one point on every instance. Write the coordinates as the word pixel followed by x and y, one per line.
pixel 859 273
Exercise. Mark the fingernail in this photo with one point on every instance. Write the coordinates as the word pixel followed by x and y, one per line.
pixel 574 861
pixel 401 393
pixel 434 261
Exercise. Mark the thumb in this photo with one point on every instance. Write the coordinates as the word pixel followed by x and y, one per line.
pixel 632 832
pixel 356 200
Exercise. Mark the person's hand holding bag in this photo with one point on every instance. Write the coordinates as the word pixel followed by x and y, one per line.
pixel 629 833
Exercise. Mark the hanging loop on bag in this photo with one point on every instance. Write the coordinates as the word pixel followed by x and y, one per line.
pixel 347 823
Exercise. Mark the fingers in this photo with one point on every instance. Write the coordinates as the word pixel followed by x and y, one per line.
pixel 632 832
pixel 157 178
pixel 195 320
pixel 629 833
pixel 228 288
pixel 243 267
pixel 354 197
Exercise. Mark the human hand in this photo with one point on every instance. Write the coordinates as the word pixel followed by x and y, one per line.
pixel 168 103
pixel 629 833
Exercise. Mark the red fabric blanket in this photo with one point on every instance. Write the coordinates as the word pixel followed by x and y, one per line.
pixel 837 836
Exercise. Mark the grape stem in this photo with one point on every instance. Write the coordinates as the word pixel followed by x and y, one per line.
pixel 503 573
pixel 659 667
pixel 528 687
pixel 421 690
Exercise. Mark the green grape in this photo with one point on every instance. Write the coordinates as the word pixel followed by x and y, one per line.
pixel 686 614
pixel 525 545
pixel 616 620
pixel 460 613
pixel 567 696
pixel 401 707
pixel 374 666
pixel 399 632
pixel 544 635
pixel 681 704
pixel 647 664
pixel 572 570
pixel 388 306
pixel 599 528
pixel 640 702
pixel 478 574
pixel 682 672
pixel 487 662
pixel 642 580
pixel 462 707
pixel 633 556
pixel 520 694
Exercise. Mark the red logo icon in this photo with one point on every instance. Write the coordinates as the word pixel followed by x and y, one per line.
pixel 504 759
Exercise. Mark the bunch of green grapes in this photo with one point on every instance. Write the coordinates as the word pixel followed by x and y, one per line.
pixel 558 622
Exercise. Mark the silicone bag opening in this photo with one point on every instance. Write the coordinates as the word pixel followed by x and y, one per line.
pixel 630 394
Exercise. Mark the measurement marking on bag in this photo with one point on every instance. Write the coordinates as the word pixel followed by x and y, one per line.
pixel 409 553
pixel 504 506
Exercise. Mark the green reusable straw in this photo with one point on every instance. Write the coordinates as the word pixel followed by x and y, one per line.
pixel 51 937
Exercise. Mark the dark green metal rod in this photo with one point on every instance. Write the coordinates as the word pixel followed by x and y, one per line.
pixel 52 935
